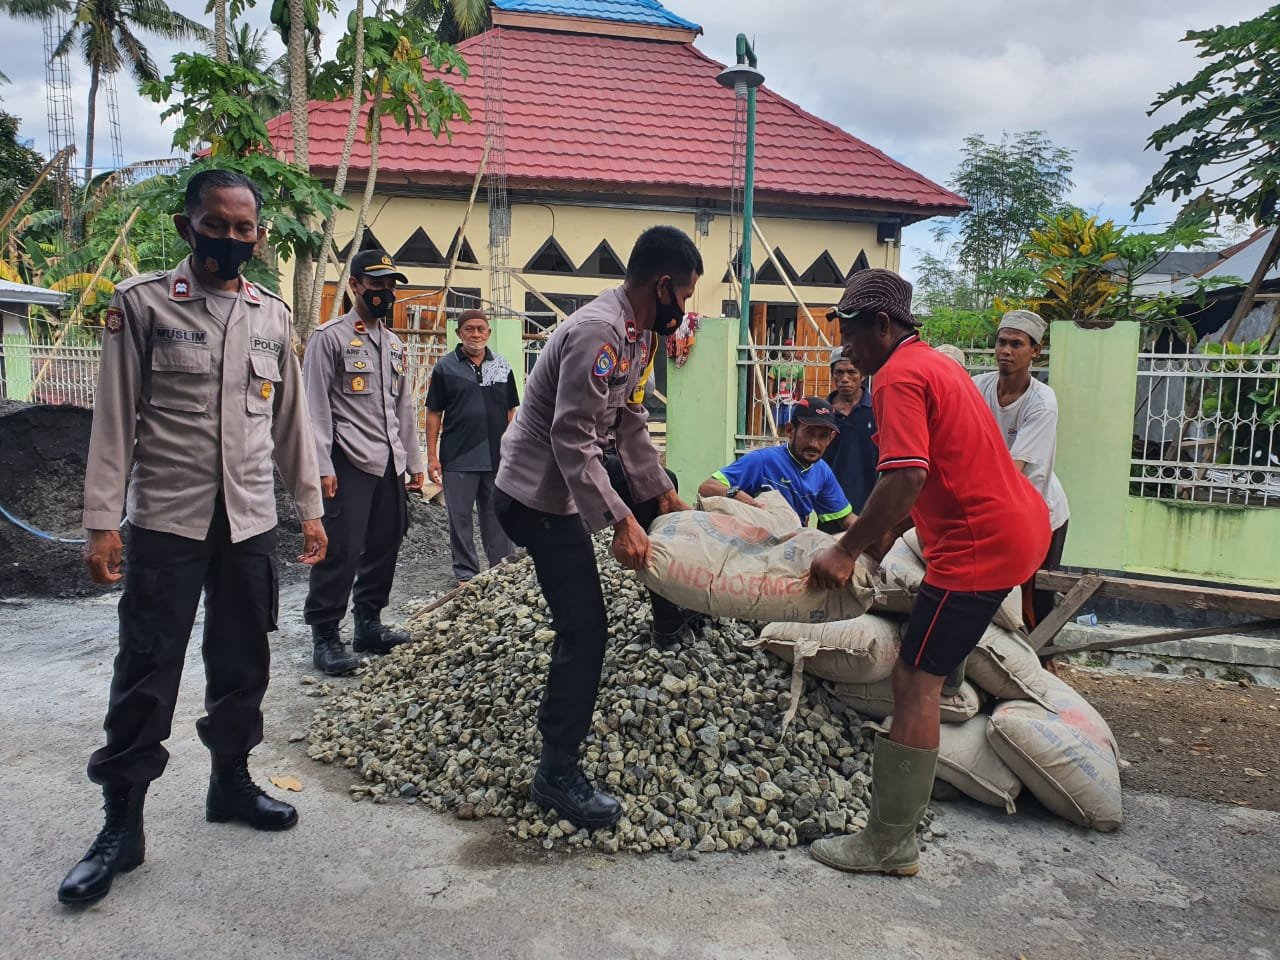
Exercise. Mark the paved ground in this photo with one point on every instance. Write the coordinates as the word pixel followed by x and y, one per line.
pixel 1183 879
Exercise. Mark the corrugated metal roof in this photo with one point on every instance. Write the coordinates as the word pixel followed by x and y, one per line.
pixel 25 293
pixel 1241 264
pixel 612 114
pixel 647 12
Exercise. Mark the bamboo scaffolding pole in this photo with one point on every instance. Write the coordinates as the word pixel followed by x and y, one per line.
pixel 89 289
pixel 462 235
pixel 826 342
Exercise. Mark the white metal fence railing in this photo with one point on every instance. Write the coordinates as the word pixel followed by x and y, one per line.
pixel 1205 428
pixel 777 375
pixel 45 369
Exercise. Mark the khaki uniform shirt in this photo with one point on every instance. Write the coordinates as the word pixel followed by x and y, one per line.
pixel 194 399
pixel 360 396
pixel 576 398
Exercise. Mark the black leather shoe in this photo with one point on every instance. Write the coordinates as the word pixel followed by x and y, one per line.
pixel 234 796
pixel 371 635
pixel 327 652
pixel 571 795
pixel 120 847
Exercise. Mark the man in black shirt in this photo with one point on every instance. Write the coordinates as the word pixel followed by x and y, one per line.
pixel 473 392
pixel 852 455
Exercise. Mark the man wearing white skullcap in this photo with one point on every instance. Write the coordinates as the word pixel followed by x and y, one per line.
pixel 1027 412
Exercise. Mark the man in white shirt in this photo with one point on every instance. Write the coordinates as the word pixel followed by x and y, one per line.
pixel 1027 412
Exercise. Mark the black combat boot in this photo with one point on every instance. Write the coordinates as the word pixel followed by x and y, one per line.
pixel 234 796
pixel 684 629
pixel 328 654
pixel 371 635
pixel 119 848
pixel 559 784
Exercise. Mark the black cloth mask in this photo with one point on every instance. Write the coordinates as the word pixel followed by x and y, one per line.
pixel 379 302
pixel 224 257
pixel 669 315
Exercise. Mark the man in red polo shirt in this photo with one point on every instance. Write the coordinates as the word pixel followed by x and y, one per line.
pixel 983 526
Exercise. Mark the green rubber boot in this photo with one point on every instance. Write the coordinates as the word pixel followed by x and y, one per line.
pixel 901 780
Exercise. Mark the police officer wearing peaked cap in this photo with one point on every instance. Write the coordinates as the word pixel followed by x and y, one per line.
pixel 361 400
pixel 198 392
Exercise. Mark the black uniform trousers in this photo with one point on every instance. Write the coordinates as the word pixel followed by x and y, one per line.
pixel 163 577
pixel 564 560
pixel 365 523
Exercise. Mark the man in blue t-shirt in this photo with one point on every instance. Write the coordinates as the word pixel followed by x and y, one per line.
pixel 797 470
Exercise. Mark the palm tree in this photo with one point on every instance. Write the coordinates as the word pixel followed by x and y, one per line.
pixel 454 20
pixel 247 48
pixel 104 30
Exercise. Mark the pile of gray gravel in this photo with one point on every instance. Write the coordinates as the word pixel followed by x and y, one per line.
pixel 690 739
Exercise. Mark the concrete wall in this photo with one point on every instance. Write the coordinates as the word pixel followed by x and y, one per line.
pixel 1094 373
pixel 702 399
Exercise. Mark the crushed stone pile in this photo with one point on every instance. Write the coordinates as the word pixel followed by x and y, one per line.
pixel 690 739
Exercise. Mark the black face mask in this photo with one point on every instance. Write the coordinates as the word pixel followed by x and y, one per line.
pixel 379 302
pixel 224 257
pixel 670 315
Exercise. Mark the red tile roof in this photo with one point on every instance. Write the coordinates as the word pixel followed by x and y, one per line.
pixel 619 115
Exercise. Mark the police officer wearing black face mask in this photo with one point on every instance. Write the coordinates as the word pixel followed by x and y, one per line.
pixel 360 395
pixel 556 487
pixel 199 392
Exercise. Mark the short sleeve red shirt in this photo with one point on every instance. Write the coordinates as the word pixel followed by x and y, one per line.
pixel 981 522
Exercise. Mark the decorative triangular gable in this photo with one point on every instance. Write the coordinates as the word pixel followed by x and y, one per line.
pixel 367 242
pixel 419 251
pixel 823 272
pixel 467 255
pixel 603 262
pixel 859 264
pixel 768 273
pixel 550 258
pixel 737 270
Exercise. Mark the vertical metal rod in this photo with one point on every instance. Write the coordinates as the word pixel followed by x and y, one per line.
pixel 747 54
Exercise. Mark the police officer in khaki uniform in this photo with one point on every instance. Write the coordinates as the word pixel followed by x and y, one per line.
pixel 360 396
pixel 555 489
pixel 198 392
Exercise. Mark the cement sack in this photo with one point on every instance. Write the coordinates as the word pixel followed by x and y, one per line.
pixel 968 762
pixel 898 577
pixel 1005 666
pixel 726 567
pixel 1066 755
pixel 875 700
pixel 777 517
pixel 862 650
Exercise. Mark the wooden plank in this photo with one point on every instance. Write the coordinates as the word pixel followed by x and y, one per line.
pixel 1224 599
pixel 514 274
pixel 1080 591
pixel 1165 636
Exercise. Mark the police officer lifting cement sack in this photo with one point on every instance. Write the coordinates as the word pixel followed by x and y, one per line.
pixel 555 489
pixel 198 392
pixel 361 400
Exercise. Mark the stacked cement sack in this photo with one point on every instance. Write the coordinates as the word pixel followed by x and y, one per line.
pixel 1011 725
pixel 734 560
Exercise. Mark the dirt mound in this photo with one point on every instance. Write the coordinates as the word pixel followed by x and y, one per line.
pixel 42 463
pixel 43 451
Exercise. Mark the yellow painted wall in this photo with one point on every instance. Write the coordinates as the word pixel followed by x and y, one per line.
pixel 578 229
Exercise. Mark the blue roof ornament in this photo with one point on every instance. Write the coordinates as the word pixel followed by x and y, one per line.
pixel 645 12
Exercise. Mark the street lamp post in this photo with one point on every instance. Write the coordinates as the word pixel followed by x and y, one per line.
pixel 743 78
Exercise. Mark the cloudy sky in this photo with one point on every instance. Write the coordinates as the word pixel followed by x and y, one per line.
pixel 913 78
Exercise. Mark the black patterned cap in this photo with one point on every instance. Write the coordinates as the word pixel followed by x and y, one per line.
pixel 876 291
pixel 815 411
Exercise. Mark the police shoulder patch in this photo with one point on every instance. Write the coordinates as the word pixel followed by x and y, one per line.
pixel 114 320
pixel 605 361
